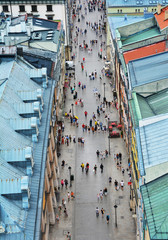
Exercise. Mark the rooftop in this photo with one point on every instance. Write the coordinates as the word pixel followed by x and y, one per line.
pixel 141 71
pixel 145 51
pixel 40 33
pixel 120 21
pixel 144 107
pixel 155 200
pixel 25 96
pixel 160 18
pixel 151 132
pixel 132 3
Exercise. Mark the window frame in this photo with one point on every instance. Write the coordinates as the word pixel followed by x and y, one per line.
pixel 33 6
pixel 48 6
pixel 20 6
pixel 5 6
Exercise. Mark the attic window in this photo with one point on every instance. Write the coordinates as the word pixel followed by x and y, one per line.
pixel 21 8
pixel 49 8
pixel 34 8
pixel 5 8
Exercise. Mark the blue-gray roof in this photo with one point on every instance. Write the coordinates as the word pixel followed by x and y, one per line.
pixel 154 141
pixel 132 3
pixel 147 70
pixel 120 21
pixel 19 215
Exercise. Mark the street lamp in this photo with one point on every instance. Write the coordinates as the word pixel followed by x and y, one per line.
pixel 104 92
pixel 115 206
pixel 72 109
pixel 70 176
pixel 109 142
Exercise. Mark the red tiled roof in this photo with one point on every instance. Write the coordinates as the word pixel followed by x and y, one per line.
pixel 145 51
pixel 160 18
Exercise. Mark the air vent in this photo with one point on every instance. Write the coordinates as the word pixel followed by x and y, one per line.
pixel 36 35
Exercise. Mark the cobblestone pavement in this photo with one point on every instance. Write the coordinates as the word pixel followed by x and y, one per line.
pixel 81 220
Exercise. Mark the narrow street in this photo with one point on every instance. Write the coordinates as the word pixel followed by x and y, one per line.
pixel 82 222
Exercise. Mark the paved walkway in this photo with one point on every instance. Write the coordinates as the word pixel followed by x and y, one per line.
pixel 81 220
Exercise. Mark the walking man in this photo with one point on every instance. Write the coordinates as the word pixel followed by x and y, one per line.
pixel 82 166
pixel 101 167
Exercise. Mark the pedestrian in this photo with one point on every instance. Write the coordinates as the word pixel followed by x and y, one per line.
pixel 66 183
pixel 95 168
pixel 57 218
pixel 105 191
pixel 101 167
pixel 72 195
pixel 107 218
pixel 101 194
pixel 62 182
pixel 63 163
pixel 74 139
pixel 87 167
pixel 97 211
pixel 122 185
pixel 110 180
pixel 90 122
pixel 85 113
pixel 102 212
pixel 123 170
pixel 120 156
pixel 68 236
pixel 116 185
pixel 82 166
pixel 69 196
pixel 98 197
pixel 65 212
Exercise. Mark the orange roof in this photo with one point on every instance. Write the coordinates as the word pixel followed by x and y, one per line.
pixel 160 18
pixel 145 51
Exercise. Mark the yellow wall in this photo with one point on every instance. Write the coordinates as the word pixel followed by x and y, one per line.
pixel 135 154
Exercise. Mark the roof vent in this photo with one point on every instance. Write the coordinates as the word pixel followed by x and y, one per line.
pixel 166 15
pixel 36 36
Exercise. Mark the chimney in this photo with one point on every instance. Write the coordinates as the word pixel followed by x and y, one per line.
pixel 158 9
pixel 166 15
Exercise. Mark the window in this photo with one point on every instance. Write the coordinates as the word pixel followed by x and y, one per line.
pixel 5 8
pixel 21 8
pixel 50 17
pixel 138 10
pixel 34 8
pixel 49 8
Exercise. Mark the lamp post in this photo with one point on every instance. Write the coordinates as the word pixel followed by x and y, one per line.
pixel 104 92
pixel 72 109
pixel 70 184
pixel 115 206
pixel 109 142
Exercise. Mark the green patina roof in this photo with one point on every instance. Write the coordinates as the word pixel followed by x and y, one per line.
pixel 148 33
pixel 159 102
pixel 155 199
pixel 144 107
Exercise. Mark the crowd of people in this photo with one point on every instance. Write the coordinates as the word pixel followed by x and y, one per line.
pixel 97 121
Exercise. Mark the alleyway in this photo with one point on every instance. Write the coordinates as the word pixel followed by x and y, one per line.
pixel 82 222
